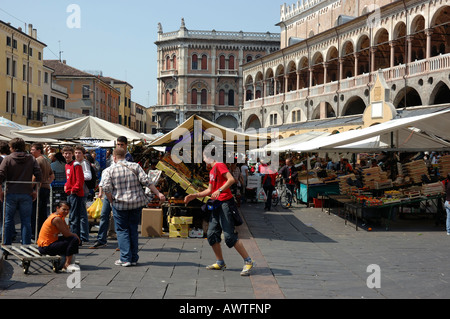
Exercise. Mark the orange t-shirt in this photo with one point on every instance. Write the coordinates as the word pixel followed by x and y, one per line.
pixel 49 233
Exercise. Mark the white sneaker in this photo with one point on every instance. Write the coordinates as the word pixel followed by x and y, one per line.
pixel 73 268
pixel 122 263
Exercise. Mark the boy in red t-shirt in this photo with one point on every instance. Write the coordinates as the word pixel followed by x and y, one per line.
pixel 75 194
pixel 220 181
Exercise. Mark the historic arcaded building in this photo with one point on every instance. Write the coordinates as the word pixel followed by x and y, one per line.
pixel 200 72
pixel 331 54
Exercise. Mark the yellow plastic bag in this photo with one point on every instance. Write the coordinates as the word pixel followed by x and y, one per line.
pixel 95 209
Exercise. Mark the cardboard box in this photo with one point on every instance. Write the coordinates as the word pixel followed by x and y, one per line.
pixel 152 222
pixel 178 231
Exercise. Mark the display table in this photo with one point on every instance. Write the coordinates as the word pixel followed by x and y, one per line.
pixel 310 191
pixel 386 211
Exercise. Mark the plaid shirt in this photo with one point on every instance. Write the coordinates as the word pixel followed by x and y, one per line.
pixel 125 181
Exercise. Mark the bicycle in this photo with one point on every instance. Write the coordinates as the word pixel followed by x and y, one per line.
pixel 276 194
pixel 282 195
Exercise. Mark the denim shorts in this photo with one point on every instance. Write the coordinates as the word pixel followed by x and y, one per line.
pixel 221 219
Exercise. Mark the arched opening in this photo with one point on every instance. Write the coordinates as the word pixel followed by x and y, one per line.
pixel 418 39
pixel 303 69
pixel 259 79
pixel 332 65
pixel 249 88
pixel 270 82
pixel 399 42
pixel 382 53
pixel 318 70
pixel 354 106
pixel 348 60
pixel 441 94
pixel 407 97
pixel 323 111
pixel 194 99
pixel 279 80
pixel 440 39
pixel 292 77
pixel 363 55
pixel 253 122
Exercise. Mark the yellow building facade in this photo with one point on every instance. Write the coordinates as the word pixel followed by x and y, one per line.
pixel 21 75
pixel 125 103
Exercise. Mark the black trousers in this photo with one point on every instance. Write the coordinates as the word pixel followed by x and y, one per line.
pixel 66 246
pixel 268 190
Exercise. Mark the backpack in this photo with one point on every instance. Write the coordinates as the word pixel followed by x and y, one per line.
pixel 93 182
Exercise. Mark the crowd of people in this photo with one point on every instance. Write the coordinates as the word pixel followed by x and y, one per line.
pixel 121 188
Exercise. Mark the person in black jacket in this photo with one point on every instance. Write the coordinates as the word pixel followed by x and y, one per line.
pixel 289 174
pixel 19 167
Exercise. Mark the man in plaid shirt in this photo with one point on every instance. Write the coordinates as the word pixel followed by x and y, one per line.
pixel 123 186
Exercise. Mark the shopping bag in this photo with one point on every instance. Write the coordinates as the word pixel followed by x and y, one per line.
pixel 95 209
pixel 262 196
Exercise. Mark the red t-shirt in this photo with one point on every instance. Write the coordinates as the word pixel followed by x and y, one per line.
pixel 217 180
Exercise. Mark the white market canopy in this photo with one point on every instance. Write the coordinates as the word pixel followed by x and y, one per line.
pixel 285 144
pixel 88 127
pixel 416 133
pixel 207 129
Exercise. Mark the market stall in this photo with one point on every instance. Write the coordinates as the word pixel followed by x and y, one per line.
pixel 398 186
pixel 184 170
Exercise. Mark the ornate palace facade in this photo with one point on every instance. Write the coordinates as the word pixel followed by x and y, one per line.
pixel 331 53
pixel 200 72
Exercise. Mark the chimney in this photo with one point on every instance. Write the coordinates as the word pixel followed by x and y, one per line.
pixel 30 29
pixel 34 34
pixel 64 61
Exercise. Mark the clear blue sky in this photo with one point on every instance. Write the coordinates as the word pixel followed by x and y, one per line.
pixel 117 37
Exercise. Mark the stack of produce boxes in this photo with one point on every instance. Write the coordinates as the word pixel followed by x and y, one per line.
pixel 179 226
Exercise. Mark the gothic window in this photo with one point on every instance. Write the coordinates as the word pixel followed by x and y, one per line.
pixel 204 62
pixel 167 63
pixel 167 97
pixel 222 62
pixel 204 97
pixel 222 97
pixel 174 96
pixel 194 97
pixel 174 63
pixel 194 62
pixel 231 63
pixel 231 97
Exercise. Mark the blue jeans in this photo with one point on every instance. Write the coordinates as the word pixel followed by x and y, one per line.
pixel 78 217
pixel 23 203
pixel 126 222
pixel 104 222
pixel 447 208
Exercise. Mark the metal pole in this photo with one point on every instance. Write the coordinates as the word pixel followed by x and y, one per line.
pixel 4 207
